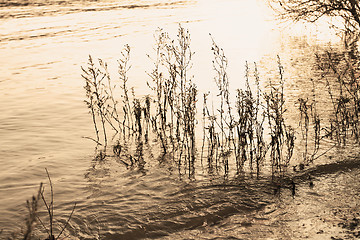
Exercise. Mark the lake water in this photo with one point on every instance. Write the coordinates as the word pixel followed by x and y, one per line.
pixel 43 122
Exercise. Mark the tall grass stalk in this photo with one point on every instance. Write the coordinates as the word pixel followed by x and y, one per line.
pixel 343 67
pixel 50 210
pixel 260 148
pixel 310 117
pixel 123 69
pixel 175 95
pixel 281 134
pixel 226 122
pixel 96 95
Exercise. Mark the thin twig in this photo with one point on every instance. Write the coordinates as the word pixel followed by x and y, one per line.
pixel 67 222
pixel 51 206
pixel 97 142
pixel 47 231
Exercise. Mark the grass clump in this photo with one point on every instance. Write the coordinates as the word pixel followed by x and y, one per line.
pixel 245 132
pixel 240 130
pixel 310 117
pixel 50 210
pixel 282 136
pixel 344 93
pixel 172 117
pixel 33 217
pixel 175 95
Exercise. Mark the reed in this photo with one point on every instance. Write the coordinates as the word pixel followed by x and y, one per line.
pixel 304 108
pixel 282 136
pixel 210 135
pixel 104 107
pixel 310 117
pixel 238 129
pixel 32 207
pixel 146 112
pixel 157 86
pixel 226 119
pixel 50 210
pixel 245 132
pixel 123 69
pixel 344 92
pixel 261 147
pixel 175 95
pixel 33 217
pixel 96 95
pixel 247 110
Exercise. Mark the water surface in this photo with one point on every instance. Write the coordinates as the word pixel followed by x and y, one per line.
pixel 43 120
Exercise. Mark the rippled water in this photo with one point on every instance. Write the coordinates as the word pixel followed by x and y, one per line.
pixel 43 121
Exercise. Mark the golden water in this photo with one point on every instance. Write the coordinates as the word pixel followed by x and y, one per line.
pixel 43 120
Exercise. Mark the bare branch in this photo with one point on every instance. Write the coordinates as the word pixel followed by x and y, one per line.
pixel 313 10
pixel 67 222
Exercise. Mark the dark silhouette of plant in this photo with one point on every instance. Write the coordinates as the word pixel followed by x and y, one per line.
pixel 238 129
pixel 32 207
pixel 175 95
pixel 226 120
pixel 312 10
pixel 281 134
pixel 348 11
pixel 310 117
pixel 210 134
pixel 344 93
pixel 33 217
pixel 96 95
pixel 50 210
pixel 123 69
pixel 251 126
